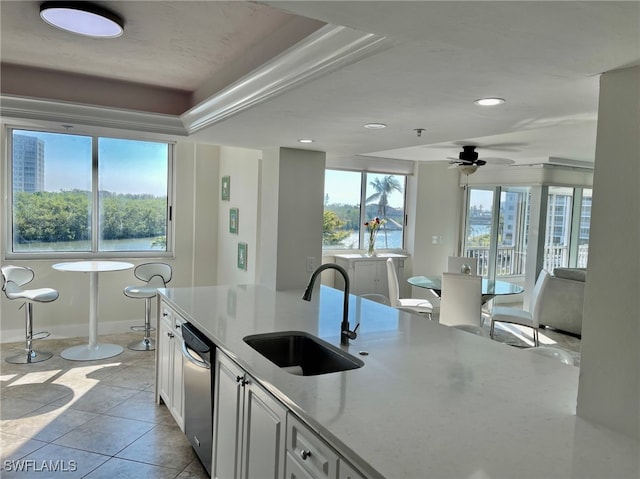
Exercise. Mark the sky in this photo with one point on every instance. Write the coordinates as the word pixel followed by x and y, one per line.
pixel 126 166
pixel 343 187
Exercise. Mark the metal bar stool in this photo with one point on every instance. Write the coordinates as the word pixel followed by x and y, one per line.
pixel 13 278
pixel 156 275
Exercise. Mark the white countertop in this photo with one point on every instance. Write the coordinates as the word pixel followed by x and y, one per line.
pixel 430 401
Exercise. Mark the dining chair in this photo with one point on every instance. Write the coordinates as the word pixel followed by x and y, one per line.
pixel 461 301
pixel 530 318
pixel 13 278
pixel 156 275
pixel 462 264
pixel 413 305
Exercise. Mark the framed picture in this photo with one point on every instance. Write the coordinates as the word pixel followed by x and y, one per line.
pixel 233 220
pixel 226 188
pixel 242 256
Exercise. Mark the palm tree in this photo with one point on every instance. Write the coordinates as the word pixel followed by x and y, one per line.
pixel 383 188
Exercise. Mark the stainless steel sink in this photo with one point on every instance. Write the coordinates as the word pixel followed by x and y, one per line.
pixel 302 353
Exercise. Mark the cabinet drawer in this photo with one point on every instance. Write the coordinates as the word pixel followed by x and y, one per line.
pixel 309 451
pixel 173 319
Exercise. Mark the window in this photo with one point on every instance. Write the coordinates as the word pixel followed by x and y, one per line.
pixel 567 233
pixel 497 228
pixel 87 195
pixel 497 239
pixel 383 195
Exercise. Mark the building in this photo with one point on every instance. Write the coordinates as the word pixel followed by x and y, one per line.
pixel 28 164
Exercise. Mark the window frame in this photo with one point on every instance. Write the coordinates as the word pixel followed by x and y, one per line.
pixel 329 250
pixel 10 254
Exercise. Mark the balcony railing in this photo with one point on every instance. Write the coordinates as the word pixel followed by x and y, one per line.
pixel 511 261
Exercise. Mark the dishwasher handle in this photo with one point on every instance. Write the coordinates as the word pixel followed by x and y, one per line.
pixel 192 359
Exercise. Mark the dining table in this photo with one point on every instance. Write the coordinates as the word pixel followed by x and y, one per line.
pixel 490 287
pixel 93 350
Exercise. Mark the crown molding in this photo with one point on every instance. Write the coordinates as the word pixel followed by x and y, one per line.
pixel 60 112
pixel 325 50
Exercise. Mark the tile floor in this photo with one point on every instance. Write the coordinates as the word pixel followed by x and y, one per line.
pixel 93 419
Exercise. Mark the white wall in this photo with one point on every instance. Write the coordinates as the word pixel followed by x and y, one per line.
pixel 437 198
pixel 195 259
pixel 243 168
pixel 609 388
pixel 291 216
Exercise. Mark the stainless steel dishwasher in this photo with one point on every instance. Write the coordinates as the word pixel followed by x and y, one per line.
pixel 199 353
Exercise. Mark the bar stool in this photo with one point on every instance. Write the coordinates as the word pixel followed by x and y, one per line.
pixel 156 275
pixel 13 277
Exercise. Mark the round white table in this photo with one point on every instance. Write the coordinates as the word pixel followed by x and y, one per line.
pixel 93 350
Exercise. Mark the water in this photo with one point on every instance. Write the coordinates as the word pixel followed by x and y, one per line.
pixel 393 241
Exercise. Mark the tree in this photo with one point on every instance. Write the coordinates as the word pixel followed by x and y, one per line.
pixel 332 234
pixel 383 188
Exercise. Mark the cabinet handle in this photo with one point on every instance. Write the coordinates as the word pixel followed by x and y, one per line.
pixel 164 315
pixel 242 381
pixel 178 326
pixel 239 378
pixel 304 454
pixel 171 335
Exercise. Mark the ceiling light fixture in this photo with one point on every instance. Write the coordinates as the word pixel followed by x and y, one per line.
pixel 83 18
pixel 468 169
pixel 375 126
pixel 305 140
pixel 489 101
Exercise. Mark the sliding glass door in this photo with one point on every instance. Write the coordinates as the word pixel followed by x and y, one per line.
pixel 497 228
pixel 567 227
pixel 497 221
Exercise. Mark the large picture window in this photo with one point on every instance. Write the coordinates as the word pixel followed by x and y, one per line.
pixel 87 195
pixel 352 197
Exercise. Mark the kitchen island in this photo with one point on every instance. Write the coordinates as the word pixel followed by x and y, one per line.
pixel 430 401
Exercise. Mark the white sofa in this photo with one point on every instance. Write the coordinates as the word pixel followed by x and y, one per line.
pixel 563 300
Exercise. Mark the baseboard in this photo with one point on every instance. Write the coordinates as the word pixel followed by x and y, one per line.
pixel 74 330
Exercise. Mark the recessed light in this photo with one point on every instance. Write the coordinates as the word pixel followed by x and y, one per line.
pixel 489 101
pixel 83 18
pixel 305 140
pixel 375 126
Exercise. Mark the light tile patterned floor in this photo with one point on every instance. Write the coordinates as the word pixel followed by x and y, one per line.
pixel 93 419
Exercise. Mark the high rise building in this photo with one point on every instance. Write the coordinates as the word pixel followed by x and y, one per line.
pixel 28 164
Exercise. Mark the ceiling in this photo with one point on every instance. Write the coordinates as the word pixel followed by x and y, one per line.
pixel 430 62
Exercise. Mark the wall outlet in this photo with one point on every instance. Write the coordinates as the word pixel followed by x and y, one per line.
pixel 311 264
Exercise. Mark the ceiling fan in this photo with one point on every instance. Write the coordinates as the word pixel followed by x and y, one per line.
pixel 468 162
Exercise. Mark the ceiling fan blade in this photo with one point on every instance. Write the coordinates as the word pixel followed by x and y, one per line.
pixel 498 161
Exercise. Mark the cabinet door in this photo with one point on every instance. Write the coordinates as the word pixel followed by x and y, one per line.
pixel 177 381
pixel 263 449
pixel 165 352
pixel 227 418
pixel 365 277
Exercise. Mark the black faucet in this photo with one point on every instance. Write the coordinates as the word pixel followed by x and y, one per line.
pixel 345 333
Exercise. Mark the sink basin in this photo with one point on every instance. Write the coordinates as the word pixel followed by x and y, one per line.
pixel 302 353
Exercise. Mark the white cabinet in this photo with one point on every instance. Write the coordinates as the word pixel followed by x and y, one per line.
pixel 309 452
pixel 348 472
pixel 368 275
pixel 248 426
pixel 169 378
pixel 310 457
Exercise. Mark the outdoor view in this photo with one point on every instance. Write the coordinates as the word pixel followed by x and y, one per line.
pixel 54 191
pixel 382 196
pixel 566 238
